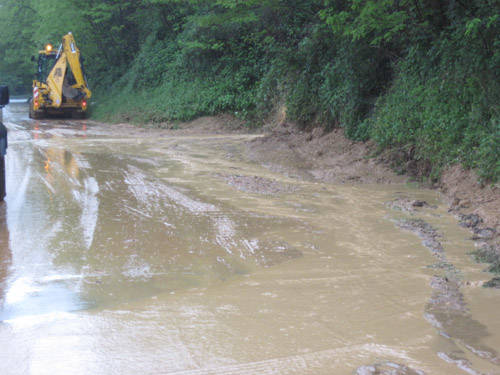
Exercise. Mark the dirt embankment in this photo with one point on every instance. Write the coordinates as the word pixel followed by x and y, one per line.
pixel 478 208
pixel 319 155
pixel 468 197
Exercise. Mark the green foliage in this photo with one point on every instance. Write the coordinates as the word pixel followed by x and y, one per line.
pixel 415 75
pixel 15 51
pixel 444 104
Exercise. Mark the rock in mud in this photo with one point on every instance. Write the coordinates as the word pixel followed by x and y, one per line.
pixel 487 254
pixel 430 237
pixel 387 368
pixel 483 234
pixel 470 221
pixel 446 309
pixel 489 250
pixel 418 203
pixel 461 363
pixel 407 204
pixel 493 283
pixel 258 185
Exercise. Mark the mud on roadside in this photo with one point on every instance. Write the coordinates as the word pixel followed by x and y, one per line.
pixel 316 155
pixel 387 368
pixel 446 309
pixel 487 244
pixel 331 157
pixel 257 184
pixel 477 207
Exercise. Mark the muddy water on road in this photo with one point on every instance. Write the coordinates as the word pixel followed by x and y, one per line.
pixel 138 254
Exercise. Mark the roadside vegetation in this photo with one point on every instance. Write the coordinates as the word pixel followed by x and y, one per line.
pixel 419 77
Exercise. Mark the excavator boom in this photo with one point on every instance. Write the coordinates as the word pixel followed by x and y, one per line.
pixel 55 81
pixel 72 54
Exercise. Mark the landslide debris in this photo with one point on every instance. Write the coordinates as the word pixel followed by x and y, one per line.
pixel 319 155
pixel 257 184
pixel 387 368
pixel 447 310
pixel 406 204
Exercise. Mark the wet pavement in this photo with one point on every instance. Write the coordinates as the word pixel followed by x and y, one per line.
pixel 125 252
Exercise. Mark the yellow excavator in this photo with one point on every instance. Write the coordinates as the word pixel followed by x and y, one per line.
pixel 60 86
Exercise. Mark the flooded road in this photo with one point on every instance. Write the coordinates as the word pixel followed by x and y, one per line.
pixel 123 252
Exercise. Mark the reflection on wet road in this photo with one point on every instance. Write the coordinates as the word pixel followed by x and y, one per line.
pixel 123 252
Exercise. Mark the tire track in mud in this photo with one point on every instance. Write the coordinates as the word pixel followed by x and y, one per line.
pixel 447 310
pixel 89 202
pixel 154 197
pixel 301 364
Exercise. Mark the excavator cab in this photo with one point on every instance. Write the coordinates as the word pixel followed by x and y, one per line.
pixel 46 62
pixel 60 85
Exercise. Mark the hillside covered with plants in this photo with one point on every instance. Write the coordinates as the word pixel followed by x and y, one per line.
pixel 418 76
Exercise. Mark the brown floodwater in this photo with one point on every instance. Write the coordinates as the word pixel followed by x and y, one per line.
pixel 130 253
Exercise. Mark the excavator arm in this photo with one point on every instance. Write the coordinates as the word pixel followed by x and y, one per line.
pixel 75 63
pixel 55 80
pixel 59 81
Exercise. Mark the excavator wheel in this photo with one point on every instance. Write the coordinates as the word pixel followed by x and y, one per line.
pixel 35 114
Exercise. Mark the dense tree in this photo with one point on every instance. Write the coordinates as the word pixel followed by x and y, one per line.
pixel 419 76
pixel 16 39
